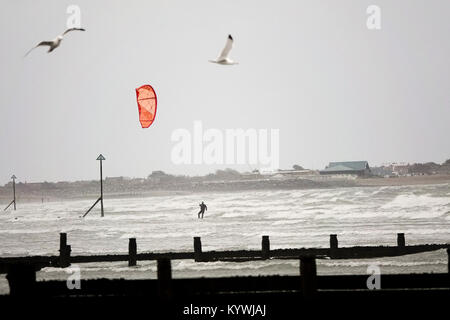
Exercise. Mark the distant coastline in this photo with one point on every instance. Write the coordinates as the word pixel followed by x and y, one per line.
pixel 159 183
pixel 124 188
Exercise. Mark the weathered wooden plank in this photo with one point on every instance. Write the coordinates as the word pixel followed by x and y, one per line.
pixel 233 256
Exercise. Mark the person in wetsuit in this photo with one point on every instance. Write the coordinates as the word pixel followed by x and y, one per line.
pixel 203 207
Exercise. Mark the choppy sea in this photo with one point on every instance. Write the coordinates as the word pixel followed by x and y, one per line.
pixel 236 220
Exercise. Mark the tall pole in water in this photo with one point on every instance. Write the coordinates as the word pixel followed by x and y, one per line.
pixel 14 190
pixel 14 193
pixel 101 158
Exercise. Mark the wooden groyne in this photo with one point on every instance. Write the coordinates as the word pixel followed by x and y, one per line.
pixel 64 259
pixel 282 292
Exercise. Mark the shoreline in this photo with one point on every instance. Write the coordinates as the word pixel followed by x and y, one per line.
pixel 404 181
pixel 304 183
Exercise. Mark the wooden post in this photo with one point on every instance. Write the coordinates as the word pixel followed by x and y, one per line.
pixel 400 239
pixel 164 279
pixel 64 251
pixel 308 275
pixel 62 241
pixel 265 247
pixel 22 280
pixel 132 252
pixel 197 249
pixel 333 241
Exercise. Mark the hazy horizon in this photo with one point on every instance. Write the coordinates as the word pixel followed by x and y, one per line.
pixel 335 90
pixel 18 180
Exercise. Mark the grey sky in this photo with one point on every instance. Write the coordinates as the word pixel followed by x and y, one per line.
pixel 336 90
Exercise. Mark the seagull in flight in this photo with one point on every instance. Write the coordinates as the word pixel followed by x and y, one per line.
pixel 53 44
pixel 223 57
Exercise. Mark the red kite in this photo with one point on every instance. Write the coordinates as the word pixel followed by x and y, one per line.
pixel 146 100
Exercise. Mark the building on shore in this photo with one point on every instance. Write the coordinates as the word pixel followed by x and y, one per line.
pixel 359 168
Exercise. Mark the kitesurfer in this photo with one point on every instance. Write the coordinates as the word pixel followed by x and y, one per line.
pixel 203 207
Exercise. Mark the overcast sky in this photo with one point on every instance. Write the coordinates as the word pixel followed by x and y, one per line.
pixel 336 90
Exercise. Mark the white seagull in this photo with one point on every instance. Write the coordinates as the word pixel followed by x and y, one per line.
pixel 53 44
pixel 223 57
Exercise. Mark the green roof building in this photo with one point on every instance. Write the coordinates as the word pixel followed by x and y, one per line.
pixel 360 168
